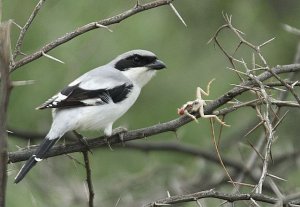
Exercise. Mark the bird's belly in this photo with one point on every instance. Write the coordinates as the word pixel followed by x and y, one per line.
pixel 98 117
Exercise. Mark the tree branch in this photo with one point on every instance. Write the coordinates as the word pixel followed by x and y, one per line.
pixel 5 92
pixel 89 178
pixel 212 194
pixel 169 126
pixel 88 27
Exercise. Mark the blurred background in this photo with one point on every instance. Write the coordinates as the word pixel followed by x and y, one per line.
pixel 132 177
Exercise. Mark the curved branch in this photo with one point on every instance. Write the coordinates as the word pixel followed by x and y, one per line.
pixel 212 194
pixel 88 27
pixel 169 126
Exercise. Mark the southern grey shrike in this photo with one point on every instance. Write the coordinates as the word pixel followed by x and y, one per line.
pixel 96 99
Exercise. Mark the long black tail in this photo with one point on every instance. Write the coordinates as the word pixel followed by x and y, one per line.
pixel 36 157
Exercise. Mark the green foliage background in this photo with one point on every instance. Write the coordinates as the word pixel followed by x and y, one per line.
pixel 133 176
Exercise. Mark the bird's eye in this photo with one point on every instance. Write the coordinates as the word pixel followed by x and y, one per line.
pixel 136 58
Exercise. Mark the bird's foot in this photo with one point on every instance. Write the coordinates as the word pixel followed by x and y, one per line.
pixel 108 143
pixel 120 131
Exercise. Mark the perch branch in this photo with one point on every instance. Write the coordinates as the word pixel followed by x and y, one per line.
pixel 169 126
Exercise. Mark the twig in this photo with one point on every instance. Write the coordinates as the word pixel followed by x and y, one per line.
pixel 85 28
pixel 257 49
pixel 5 89
pixel 267 157
pixel 26 27
pixel 291 29
pixel 254 103
pixel 213 194
pixel 243 184
pixel 213 136
pixel 89 178
pixel 269 129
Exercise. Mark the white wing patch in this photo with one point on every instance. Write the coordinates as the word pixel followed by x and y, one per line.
pixel 53 101
pixel 59 97
pixel 93 101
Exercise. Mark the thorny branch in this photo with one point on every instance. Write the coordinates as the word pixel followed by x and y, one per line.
pixel 24 29
pixel 232 198
pixel 260 91
pixel 85 28
pixel 257 49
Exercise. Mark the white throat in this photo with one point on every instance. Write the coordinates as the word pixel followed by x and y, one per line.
pixel 140 76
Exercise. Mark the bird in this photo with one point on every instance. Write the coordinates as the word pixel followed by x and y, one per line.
pixel 95 100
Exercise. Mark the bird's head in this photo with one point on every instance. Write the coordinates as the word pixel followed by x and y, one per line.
pixel 138 65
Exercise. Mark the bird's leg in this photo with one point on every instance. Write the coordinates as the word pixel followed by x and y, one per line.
pixel 108 133
pixel 82 139
pixel 108 143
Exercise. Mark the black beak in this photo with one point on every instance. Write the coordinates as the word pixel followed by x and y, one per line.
pixel 157 65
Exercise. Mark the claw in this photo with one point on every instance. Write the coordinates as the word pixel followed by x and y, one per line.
pixel 120 131
pixel 84 141
pixel 108 143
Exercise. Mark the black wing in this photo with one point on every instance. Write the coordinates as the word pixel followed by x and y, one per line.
pixel 74 96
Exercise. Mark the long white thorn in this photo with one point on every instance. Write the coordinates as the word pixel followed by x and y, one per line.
pixel 52 58
pixel 177 14
pixel 23 82
pixel 103 26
